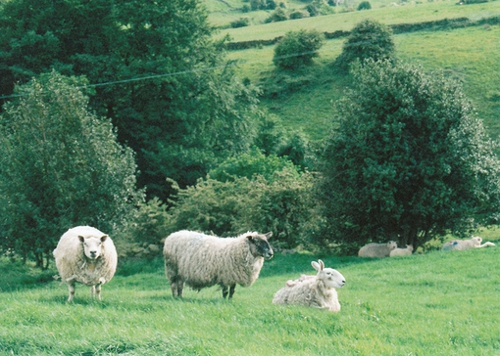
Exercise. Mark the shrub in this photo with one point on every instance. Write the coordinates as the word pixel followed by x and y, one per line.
pixel 277 16
pixel 297 48
pixel 241 22
pixel 298 15
pixel 368 39
pixel 250 164
pixel 364 5
pixel 283 206
pixel 312 10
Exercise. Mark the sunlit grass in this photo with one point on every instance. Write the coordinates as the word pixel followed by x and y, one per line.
pixel 432 304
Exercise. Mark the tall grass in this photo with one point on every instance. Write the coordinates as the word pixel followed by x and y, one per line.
pixel 432 304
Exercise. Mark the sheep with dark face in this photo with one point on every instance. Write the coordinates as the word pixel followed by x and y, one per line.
pixel 314 291
pixel 203 261
pixel 88 256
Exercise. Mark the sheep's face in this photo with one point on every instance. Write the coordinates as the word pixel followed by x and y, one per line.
pixel 92 246
pixel 476 240
pixel 392 245
pixel 259 246
pixel 330 277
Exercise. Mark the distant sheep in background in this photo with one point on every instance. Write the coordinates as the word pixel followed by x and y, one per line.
pixel 377 250
pixel 203 261
pixel 88 256
pixel 402 251
pixel 313 291
pixel 459 245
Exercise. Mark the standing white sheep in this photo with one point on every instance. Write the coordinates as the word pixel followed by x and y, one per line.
pixel 377 250
pixel 313 291
pixel 203 261
pixel 88 256
pixel 459 245
pixel 402 251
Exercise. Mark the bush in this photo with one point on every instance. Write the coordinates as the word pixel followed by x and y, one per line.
pixel 283 206
pixel 312 10
pixel 250 164
pixel 368 39
pixel 277 16
pixel 364 5
pixel 297 49
pixel 298 15
pixel 241 22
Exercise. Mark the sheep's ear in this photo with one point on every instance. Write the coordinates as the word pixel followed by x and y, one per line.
pixel 81 238
pixel 318 266
pixel 269 234
pixel 103 238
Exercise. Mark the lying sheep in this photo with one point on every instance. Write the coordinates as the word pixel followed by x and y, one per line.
pixel 377 250
pixel 459 245
pixel 88 256
pixel 314 291
pixel 203 261
pixel 402 251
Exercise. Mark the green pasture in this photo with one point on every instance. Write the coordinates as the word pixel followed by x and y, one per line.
pixel 405 12
pixel 467 54
pixel 431 304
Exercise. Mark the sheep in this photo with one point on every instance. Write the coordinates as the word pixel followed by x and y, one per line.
pixel 203 261
pixel 313 291
pixel 88 256
pixel 401 251
pixel 377 250
pixel 459 245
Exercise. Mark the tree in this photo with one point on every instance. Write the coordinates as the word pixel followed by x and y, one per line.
pixel 61 166
pixel 368 39
pixel 158 74
pixel 409 161
pixel 297 49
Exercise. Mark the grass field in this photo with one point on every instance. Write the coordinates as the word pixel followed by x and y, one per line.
pixel 468 54
pixel 432 304
pixel 410 12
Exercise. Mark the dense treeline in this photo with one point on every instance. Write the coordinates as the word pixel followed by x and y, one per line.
pixel 144 83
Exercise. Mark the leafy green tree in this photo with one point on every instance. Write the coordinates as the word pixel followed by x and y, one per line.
pixel 297 49
pixel 368 39
pixel 409 161
pixel 158 74
pixel 61 166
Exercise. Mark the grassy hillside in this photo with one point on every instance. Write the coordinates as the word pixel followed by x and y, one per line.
pixel 432 304
pixel 468 54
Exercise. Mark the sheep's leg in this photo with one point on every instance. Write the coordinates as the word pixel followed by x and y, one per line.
pixel 224 291
pixel 176 285
pixel 98 290
pixel 231 290
pixel 180 286
pixel 71 287
pixel 173 287
pixel 92 292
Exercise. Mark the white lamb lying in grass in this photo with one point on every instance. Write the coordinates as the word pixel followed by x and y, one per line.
pixel 459 245
pixel 314 291
pixel 402 251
